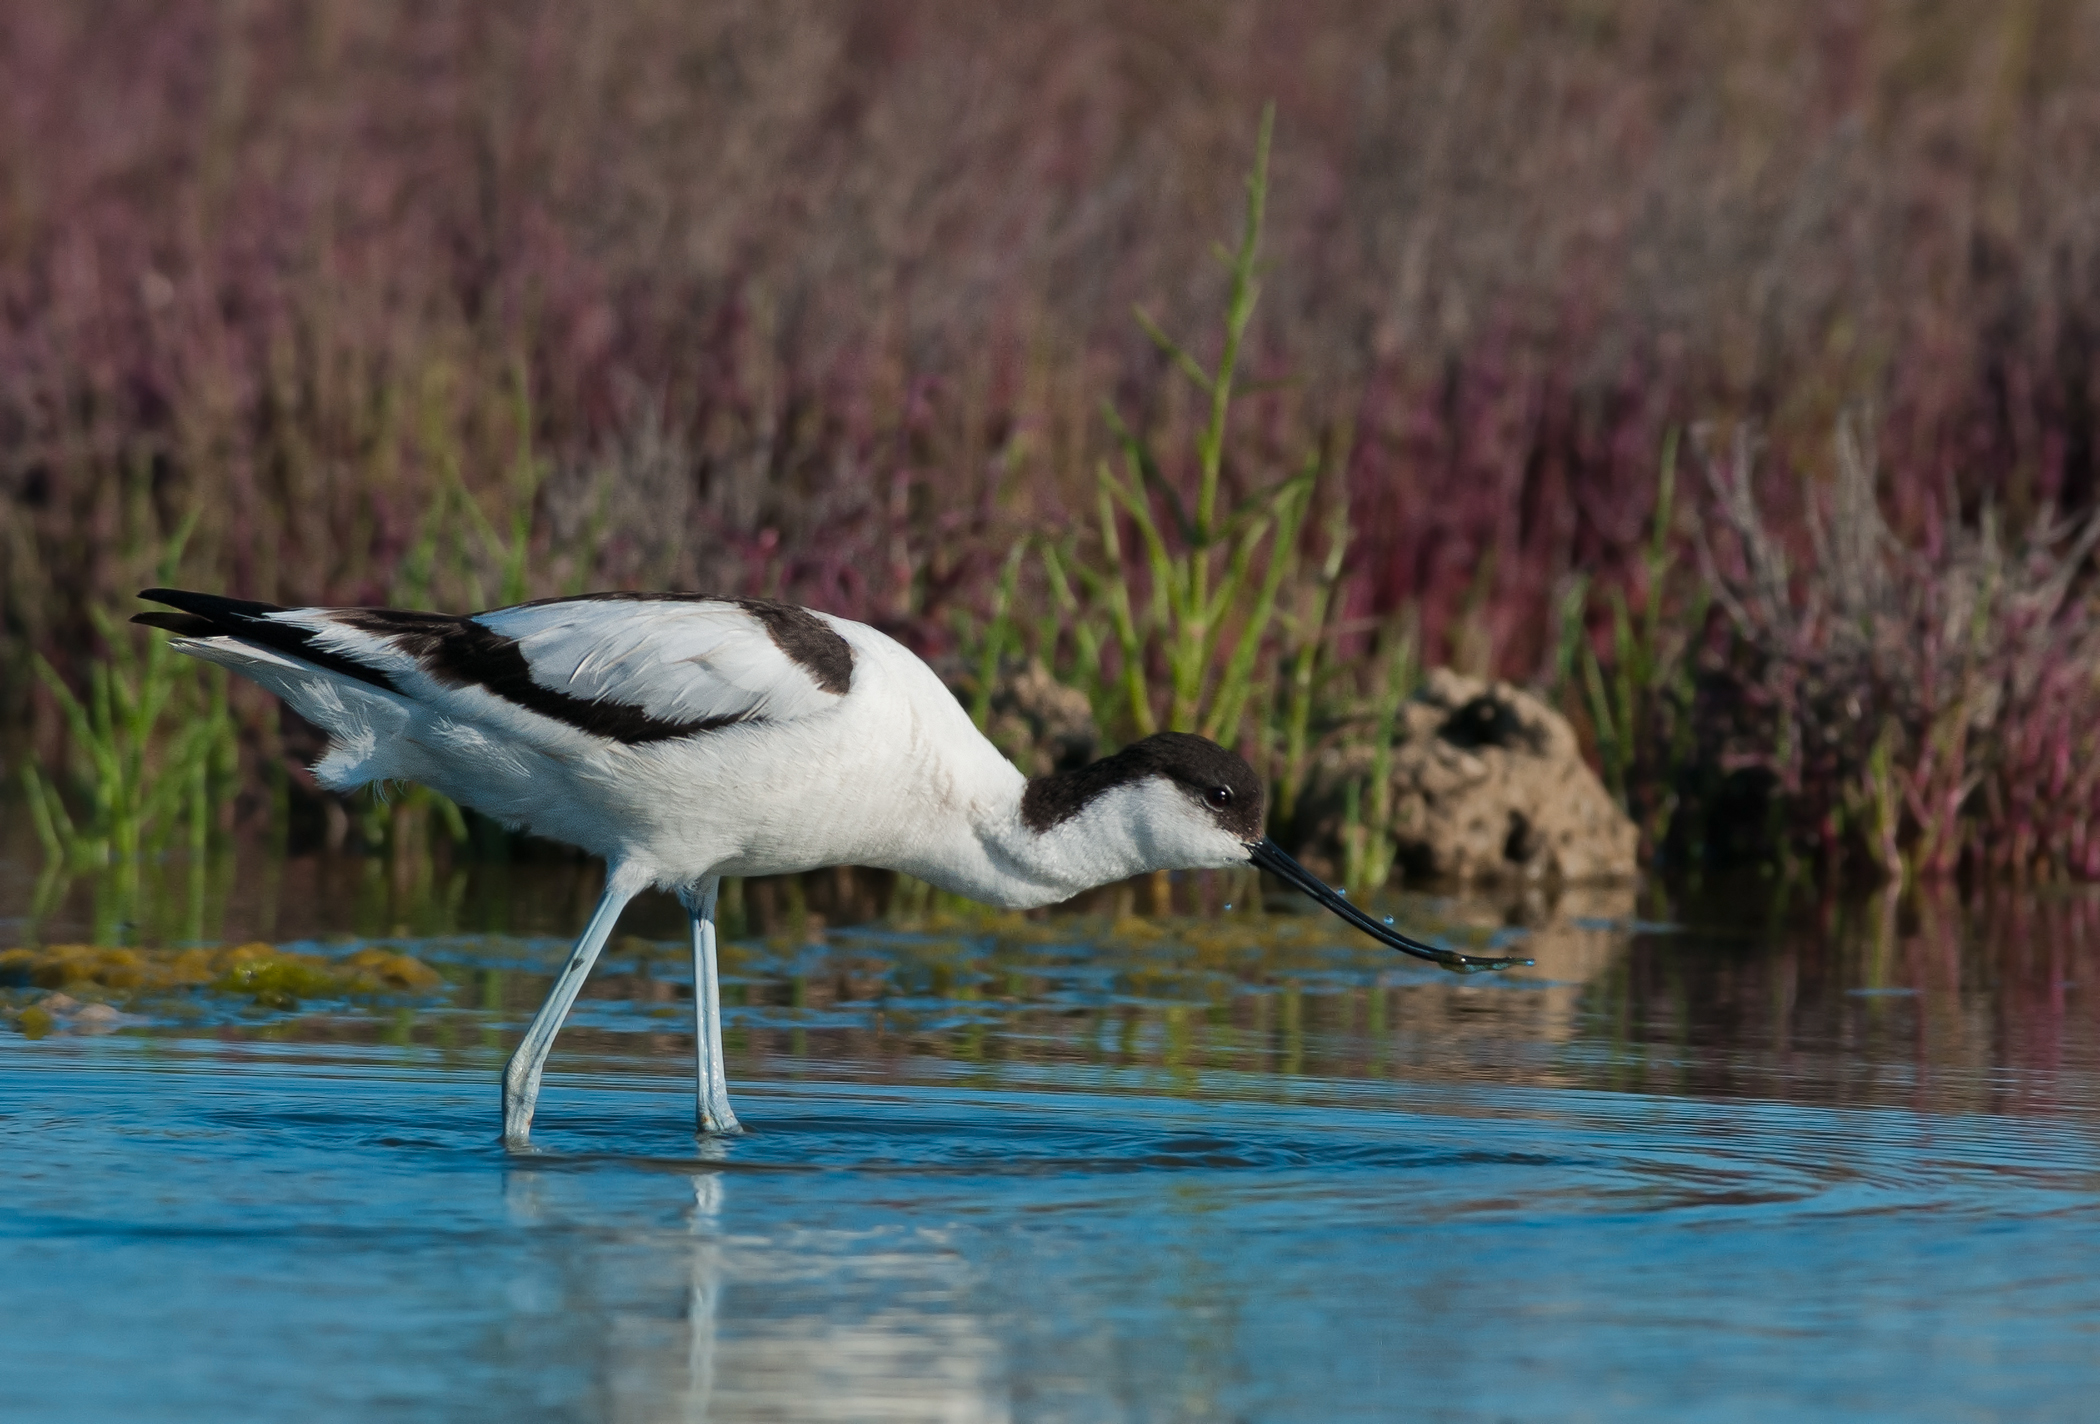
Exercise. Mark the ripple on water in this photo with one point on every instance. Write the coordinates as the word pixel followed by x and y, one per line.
pixel 951 1246
pixel 1020 1175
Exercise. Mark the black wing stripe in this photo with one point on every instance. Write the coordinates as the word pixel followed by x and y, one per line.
pixel 808 641
pixel 460 652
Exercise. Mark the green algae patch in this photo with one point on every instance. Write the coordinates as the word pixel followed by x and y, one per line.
pixel 272 977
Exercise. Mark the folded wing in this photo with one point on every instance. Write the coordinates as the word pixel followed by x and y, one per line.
pixel 626 668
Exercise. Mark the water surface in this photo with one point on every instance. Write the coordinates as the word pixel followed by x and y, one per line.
pixel 1710 1160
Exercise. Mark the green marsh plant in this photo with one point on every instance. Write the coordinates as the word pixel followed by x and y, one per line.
pixel 997 637
pixel 1367 810
pixel 1640 701
pixel 1310 631
pixel 1214 574
pixel 458 544
pixel 151 746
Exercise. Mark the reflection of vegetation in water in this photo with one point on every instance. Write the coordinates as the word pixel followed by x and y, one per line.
pixel 1913 996
pixel 161 901
pixel 983 993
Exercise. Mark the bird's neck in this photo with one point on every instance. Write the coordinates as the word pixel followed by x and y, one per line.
pixel 1022 844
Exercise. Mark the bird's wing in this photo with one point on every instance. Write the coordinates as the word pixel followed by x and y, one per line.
pixel 628 668
pixel 687 661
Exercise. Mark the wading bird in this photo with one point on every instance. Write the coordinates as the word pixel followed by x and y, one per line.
pixel 685 738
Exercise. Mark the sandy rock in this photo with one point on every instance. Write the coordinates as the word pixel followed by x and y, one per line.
pixel 1040 723
pixel 1488 784
pixel 96 1018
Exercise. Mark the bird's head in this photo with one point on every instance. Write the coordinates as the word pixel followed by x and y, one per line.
pixel 1182 802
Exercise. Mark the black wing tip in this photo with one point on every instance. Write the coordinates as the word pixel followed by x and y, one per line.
pixel 180 598
pixel 214 606
pixel 183 625
pixel 212 615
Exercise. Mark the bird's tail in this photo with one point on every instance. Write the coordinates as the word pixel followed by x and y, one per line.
pixel 349 700
pixel 236 631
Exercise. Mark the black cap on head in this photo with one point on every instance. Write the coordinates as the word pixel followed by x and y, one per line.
pixel 1214 778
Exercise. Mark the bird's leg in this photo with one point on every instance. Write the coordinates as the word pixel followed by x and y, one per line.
pixel 710 1080
pixel 521 1078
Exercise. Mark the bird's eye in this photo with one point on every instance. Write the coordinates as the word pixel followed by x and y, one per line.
pixel 1219 796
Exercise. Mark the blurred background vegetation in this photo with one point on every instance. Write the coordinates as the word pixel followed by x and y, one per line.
pixel 1727 372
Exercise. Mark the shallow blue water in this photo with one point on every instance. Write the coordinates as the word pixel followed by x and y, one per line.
pixel 1304 1189
pixel 292 1235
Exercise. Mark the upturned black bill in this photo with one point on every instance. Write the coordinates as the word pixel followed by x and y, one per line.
pixel 1272 858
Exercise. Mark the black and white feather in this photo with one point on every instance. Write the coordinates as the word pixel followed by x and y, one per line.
pixel 532 712
pixel 684 737
pixel 630 670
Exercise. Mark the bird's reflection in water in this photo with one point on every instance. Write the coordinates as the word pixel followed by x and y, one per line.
pixel 660 1355
pixel 703 1299
pixel 820 1325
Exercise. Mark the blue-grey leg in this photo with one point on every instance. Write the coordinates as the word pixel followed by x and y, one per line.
pixel 521 1079
pixel 710 1079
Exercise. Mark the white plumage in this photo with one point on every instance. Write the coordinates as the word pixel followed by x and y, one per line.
pixel 685 738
